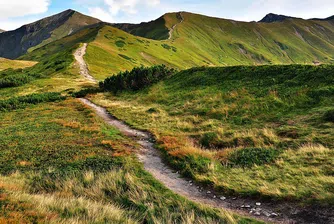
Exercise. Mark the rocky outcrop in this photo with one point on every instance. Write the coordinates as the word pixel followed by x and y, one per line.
pixel 271 18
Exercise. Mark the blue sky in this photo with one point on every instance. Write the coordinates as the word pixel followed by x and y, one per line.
pixel 14 13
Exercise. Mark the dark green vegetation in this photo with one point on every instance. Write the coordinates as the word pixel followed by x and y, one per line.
pixel 138 78
pixel 23 101
pixel 59 163
pixel 153 30
pixel 263 131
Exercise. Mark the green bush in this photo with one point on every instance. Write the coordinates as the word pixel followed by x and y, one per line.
pixel 15 80
pixel 329 116
pixel 136 79
pixel 23 101
pixel 252 156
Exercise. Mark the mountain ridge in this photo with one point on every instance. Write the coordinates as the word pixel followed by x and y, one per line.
pixel 30 36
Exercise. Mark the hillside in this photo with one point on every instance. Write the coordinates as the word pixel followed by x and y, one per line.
pixel 14 64
pixel 29 37
pixel 215 124
pixel 1 31
pixel 198 40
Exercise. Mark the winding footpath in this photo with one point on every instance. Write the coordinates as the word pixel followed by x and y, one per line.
pixel 79 57
pixel 275 212
pixel 173 27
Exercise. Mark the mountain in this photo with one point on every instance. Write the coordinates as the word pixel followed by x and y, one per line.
pixel 326 19
pixel 153 30
pixel 29 37
pixel 1 31
pixel 197 40
pixel 271 18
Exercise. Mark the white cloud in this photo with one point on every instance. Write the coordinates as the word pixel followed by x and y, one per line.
pixel 19 8
pixel 128 6
pixel 101 14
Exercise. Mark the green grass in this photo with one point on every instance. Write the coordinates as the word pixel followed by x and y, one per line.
pixel 14 64
pixel 62 163
pixel 203 117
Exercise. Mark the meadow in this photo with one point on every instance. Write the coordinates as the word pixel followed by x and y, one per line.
pixel 60 163
pixel 264 131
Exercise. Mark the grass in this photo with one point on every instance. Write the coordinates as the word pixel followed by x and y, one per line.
pixel 206 41
pixel 14 64
pixel 204 118
pixel 84 172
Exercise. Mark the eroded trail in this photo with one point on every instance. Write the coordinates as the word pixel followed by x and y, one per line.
pixel 276 212
pixel 173 27
pixel 79 57
pixel 152 160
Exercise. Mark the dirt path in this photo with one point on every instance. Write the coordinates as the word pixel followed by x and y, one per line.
pixel 269 211
pixel 153 163
pixel 173 27
pixel 79 57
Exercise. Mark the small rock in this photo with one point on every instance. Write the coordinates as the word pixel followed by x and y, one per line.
pixel 257 213
pixel 214 196
pixel 266 213
pixel 273 214
pixel 245 206
pixel 234 198
pixel 222 198
pixel 191 184
pixel 258 204
pixel 197 187
pixel 208 192
pixel 190 181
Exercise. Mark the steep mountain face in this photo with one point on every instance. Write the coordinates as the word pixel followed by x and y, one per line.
pixel 153 30
pixel 271 18
pixel 29 37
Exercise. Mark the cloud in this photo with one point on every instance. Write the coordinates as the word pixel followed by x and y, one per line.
pixel 128 6
pixel 100 13
pixel 19 8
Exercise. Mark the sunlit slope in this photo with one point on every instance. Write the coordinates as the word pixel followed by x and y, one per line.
pixel 199 40
pixel 14 64
pixel 114 50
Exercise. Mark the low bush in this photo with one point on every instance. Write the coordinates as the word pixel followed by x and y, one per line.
pixel 15 80
pixel 136 79
pixel 329 116
pixel 252 156
pixel 23 101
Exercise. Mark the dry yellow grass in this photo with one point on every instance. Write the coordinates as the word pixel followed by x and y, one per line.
pixel 15 64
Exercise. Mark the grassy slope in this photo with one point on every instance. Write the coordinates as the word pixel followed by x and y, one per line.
pixel 83 172
pixel 228 109
pixel 201 40
pixel 56 70
pixel 14 64
pixel 74 23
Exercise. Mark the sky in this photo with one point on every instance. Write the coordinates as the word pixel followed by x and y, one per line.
pixel 15 13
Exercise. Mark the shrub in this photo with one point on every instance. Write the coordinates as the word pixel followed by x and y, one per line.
pixel 23 101
pixel 136 79
pixel 84 92
pixel 15 80
pixel 252 156
pixel 329 116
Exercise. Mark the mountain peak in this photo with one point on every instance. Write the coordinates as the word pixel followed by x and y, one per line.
pixel 272 17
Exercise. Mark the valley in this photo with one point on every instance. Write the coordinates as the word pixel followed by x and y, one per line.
pixel 184 119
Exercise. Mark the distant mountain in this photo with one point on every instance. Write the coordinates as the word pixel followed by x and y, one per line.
pixel 327 19
pixel 1 31
pixel 29 37
pixel 184 40
pixel 271 18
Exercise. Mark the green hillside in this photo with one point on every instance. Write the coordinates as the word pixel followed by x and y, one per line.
pixel 199 40
pixel 207 120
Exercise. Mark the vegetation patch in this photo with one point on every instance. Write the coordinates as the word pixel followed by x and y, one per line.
pixel 136 79
pixel 23 101
pixel 253 156
pixel 120 43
